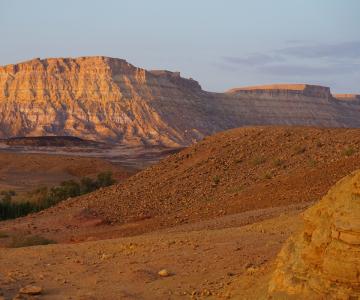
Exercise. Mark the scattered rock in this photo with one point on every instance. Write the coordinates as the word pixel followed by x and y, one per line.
pixel 164 273
pixel 31 290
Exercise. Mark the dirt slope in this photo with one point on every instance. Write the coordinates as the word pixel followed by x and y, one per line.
pixel 231 172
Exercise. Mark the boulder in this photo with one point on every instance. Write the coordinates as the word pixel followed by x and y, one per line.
pixel 322 261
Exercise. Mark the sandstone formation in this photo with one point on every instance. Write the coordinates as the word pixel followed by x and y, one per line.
pixel 107 99
pixel 323 260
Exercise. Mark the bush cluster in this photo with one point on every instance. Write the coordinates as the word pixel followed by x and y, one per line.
pixel 44 197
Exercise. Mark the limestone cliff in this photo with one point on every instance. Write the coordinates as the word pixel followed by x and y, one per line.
pixel 108 99
pixel 322 261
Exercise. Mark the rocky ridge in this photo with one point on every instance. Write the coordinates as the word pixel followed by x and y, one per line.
pixel 322 261
pixel 108 99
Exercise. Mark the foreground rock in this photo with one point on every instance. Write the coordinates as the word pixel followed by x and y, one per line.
pixel 323 260
pixel 108 99
pixel 31 290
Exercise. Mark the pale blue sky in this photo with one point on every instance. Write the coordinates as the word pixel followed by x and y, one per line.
pixel 222 44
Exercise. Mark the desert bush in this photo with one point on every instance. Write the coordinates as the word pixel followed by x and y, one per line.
pixel 6 196
pixel 87 185
pixel 9 210
pixel 236 189
pixel 268 175
pixel 349 151
pixel 216 179
pixel 43 197
pixel 18 241
pixel 278 162
pixel 104 179
pixel 312 162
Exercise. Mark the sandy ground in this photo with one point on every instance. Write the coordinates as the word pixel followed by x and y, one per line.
pixel 216 259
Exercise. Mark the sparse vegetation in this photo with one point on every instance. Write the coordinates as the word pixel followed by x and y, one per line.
pixel 349 151
pixel 44 197
pixel 259 160
pixel 278 162
pixel 268 175
pixel 236 189
pixel 21 240
pixel 312 162
pixel 216 180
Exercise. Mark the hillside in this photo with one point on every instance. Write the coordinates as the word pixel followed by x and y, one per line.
pixel 236 171
pixel 107 99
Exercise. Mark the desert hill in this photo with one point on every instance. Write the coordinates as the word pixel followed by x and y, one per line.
pixel 236 171
pixel 108 99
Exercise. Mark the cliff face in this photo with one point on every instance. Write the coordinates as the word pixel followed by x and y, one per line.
pixel 105 98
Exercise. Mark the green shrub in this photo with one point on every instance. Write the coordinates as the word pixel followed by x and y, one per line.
pixel 42 197
pixel 105 179
pixel 87 185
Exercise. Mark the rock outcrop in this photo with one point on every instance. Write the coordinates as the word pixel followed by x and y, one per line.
pixel 107 99
pixel 347 97
pixel 323 260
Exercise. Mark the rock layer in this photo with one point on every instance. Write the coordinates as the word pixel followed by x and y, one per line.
pixel 108 99
pixel 323 260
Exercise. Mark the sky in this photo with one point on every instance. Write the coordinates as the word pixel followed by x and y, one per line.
pixel 221 44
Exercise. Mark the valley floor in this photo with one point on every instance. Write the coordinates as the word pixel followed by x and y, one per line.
pixel 230 257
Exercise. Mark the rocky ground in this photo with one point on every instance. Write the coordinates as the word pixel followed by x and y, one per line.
pixel 217 259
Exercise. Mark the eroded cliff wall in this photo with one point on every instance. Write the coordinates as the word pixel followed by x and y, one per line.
pixel 108 99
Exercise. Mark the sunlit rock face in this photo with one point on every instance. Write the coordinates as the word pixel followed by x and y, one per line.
pixel 108 99
pixel 322 261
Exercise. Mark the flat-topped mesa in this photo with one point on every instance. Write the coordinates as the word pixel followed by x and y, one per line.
pixel 307 90
pixel 176 78
pixel 100 98
pixel 347 97
pixel 64 64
